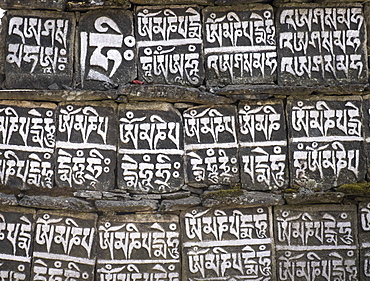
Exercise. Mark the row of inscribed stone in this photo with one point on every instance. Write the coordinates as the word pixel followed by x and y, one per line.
pixel 296 242
pixel 152 148
pixel 309 44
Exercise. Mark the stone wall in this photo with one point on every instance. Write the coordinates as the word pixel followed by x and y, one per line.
pixel 184 140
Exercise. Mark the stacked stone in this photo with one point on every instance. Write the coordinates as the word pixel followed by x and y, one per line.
pixel 167 140
pixel 307 45
pixel 308 242
pixel 151 148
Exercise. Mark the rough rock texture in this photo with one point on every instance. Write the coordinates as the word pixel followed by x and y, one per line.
pixel 56 203
pixel 59 5
pixel 97 4
pixel 246 198
pixel 8 199
pixel 179 204
pixel 129 206
pixel 170 94
pixel 57 95
pixel 314 198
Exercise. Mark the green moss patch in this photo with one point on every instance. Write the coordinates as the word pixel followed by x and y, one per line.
pixel 359 188
pixel 223 193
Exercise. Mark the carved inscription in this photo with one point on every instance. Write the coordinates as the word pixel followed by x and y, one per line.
pixel 321 45
pixel 239 45
pixel 39 50
pixel 364 237
pixel 316 242
pixel 170 44
pixel 64 246
pixel 27 139
pixel 326 140
pixel 86 145
pixel 366 120
pixel 16 228
pixel 263 145
pixel 211 145
pixel 227 244
pixel 150 148
pixel 145 247
pixel 107 49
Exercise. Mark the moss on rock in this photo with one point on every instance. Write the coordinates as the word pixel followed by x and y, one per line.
pixel 223 193
pixel 358 188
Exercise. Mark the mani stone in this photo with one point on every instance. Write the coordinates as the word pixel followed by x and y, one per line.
pixel 33 4
pixel 211 145
pixel 107 51
pixel 263 145
pixel 239 45
pixel 169 45
pixel 86 145
pixel 326 141
pixel 321 44
pixel 139 247
pixel 64 246
pixel 366 122
pixel 27 144
pixel 228 244
pixel 150 156
pixel 39 49
pixel 364 237
pixel 16 237
pixel 316 240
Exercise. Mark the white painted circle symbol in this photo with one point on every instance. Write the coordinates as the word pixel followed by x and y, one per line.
pixel 128 55
pixel 129 41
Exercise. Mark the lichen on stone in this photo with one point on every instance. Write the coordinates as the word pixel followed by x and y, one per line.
pixel 358 188
pixel 223 193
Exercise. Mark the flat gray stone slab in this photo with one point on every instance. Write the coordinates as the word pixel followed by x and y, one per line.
pixel 139 247
pixel 239 45
pixel 171 2
pixel 27 144
pixel 16 239
pixel 151 148
pixel 59 5
pixel 364 239
pixel 127 206
pixel 76 5
pixel 242 199
pixel 314 198
pixel 323 237
pixel 39 49
pixel 169 42
pixel 107 53
pixel 64 245
pixel 326 141
pixel 321 44
pixel 170 93
pixel 211 145
pixel 56 203
pixel 228 244
pixel 263 145
pixel 179 204
pixel 86 145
